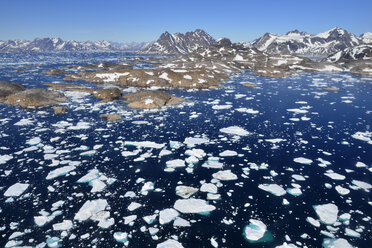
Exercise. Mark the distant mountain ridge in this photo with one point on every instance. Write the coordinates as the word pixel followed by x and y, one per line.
pixel 59 45
pixel 302 43
pixel 180 43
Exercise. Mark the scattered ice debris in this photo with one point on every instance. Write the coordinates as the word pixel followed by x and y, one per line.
pixel 255 230
pixel 185 191
pixel 90 208
pixel 144 144
pixel 192 206
pixel 327 213
pixel 225 175
pixel 302 160
pixel 16 189
pixel 274 189
pixel 235 130
pixel 170 243
pixel 60 171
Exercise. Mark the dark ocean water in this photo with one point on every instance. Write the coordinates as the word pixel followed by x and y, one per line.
pixel 324 131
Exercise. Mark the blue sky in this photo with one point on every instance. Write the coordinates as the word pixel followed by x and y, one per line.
pixel 145 20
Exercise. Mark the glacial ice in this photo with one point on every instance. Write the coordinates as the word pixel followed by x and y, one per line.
pixel 235 130
pixel 170 243
pixel 167 215
pixel 302 160
pixel 225 175
pixel 327 213
pixel 60 171
pixel 255 230
pixel 90 208
pixel 274 189
pixel 193 206
pixel 16 189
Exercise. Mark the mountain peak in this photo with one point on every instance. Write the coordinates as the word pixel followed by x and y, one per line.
pixel 180 43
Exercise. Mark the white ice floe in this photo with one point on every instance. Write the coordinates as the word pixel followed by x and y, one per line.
pixel 362 185
pixel 121 237
pixel 145 144
pixel 286 245
pixel 176 163
pixel 133 206
pixel 274 141
pixel 274 189
pixel 198 153
pixel 180 222
pixel 219 107
pixel 351 233
pixel 294 191
pixel 191 141
pixel 341 190
pixel 63 226
pixel 235 130
pixel 5 158
pixel 193 206
pixel 228 153
pixel 334 175
pixel 302 160
pixel 185 191
pixel 248 111
pixel 129 220
pixel 60 171
pixel 297 111
pixel 363 136
pixel 336 243
pixel 90 208
pixel 213 163
pixel 313 221
pixel 167 215
pixel 170 243
pixel 225 175
pixel 209 188
pixel 327 213
pixel 255 230
pixel 16 189
pixel 33 141
pixel 298 177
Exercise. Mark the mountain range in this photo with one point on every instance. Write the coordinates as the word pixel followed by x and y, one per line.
pixel 302 43
pixel 59 45
pixel 291 43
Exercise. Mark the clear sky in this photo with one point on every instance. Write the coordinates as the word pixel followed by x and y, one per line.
pixel 145 20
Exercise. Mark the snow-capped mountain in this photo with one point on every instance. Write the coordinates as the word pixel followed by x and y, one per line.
pixel 361 52
pixel 302 43
pixel 180 43
pixel 366 37
pixel 59 45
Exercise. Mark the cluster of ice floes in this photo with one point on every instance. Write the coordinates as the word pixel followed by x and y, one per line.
pixel 238 165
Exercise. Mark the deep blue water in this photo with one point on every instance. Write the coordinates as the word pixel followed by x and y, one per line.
pixel 331 122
